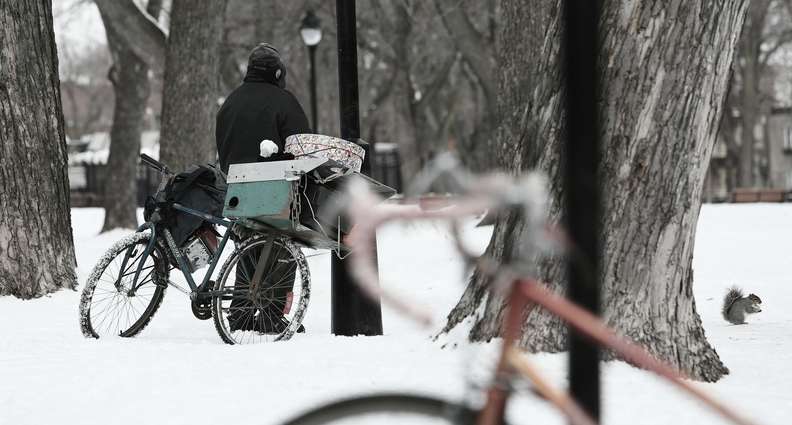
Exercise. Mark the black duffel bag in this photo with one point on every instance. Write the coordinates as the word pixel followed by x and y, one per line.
pixel 201 187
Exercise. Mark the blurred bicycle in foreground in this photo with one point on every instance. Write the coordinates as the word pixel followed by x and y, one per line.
pixel 496 193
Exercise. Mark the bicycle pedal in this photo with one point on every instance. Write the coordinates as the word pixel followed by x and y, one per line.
pixel 201 297
pixel 201 311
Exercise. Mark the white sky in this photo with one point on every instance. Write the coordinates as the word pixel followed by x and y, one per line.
pixel 77 23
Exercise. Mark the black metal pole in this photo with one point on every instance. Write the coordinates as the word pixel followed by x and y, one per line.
pixel 314 116
pixel 582 191
pixel 352 312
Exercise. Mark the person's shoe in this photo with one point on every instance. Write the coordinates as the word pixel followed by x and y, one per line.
pixel 241 322
pixel 271 323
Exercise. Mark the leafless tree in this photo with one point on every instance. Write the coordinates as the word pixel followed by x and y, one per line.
pixel 129 75
pixel 137 30
pixel 416 88
pixel 36 246
pixel 189 99
pixel 665 68
pixel 767 29
pixel 87 95
pixel 476 44
pixel 189 57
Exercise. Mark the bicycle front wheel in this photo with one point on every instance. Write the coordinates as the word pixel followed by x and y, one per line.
pixel 388 409
pixel 111 303
pixel 262 292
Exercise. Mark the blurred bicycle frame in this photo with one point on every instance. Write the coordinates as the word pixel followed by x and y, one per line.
pixel 493 193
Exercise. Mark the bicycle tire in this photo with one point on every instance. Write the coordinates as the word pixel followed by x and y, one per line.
pixel 296 310
pixel 388 403
pixel 159 281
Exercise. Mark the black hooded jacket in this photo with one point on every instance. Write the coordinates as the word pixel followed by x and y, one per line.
pixel 255 111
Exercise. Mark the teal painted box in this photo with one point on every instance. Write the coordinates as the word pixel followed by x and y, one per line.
pixel 262 191
pixel 267 201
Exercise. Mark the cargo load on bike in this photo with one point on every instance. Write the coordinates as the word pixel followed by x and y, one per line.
pixel 201 188
pixel 296 197
pixel 271 210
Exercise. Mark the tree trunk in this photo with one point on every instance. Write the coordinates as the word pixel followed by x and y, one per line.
pixel 727 132
pixel 398 29
pixel 189 100
pixel 129 75
pixel 665 68
pixel 750 106
pixel 479 53
pixel 749 49
pixel 36 247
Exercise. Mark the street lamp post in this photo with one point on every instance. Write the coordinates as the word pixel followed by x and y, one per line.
pixel 311 33
pixel 582 190
pixel 353 313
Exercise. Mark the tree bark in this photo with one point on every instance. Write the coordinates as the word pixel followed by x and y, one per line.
pixel 129 75
pixel 664 73
pixel 36 247
pixel 189 98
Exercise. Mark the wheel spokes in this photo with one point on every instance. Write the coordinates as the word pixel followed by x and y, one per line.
pixel 253 312
pixel 115 306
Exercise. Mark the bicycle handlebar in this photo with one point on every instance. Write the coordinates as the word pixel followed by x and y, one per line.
pixel 496 192
pixel 499 192
pixel 153 163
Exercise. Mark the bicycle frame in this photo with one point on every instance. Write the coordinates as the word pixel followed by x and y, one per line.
pixel 176 252
pixel 529 291
pixel 512 361
pixel 523 294
pixel 170 244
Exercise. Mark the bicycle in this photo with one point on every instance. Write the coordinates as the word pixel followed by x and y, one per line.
pixel 128 283
pixel 500 193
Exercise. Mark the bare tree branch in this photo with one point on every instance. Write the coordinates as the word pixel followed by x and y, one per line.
pixel 472 45
pixel 440 79
pixel 781 42
pixel 137 30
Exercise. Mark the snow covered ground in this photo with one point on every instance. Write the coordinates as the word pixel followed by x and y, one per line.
pixel 178 371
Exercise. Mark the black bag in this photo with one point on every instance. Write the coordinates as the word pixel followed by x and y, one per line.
pixel 321 192
pixel 201 187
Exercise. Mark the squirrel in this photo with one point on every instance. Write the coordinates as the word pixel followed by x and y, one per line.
pixel 736 305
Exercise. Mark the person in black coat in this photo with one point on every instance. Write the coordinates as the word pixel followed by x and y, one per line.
pixel 260 110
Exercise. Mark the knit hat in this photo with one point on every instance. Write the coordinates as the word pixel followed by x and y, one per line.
pixel 265 65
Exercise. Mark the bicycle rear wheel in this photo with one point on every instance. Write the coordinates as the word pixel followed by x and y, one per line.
pixel 388 409
pixel 109 306
pixel 253 305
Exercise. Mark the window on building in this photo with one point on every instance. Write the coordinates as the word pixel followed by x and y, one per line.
pixel 78 178
pixel 788 140
pixel 720 150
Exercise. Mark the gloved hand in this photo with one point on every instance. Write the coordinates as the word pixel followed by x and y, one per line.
pixel 267 148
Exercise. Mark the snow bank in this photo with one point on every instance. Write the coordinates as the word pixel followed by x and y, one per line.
pixel 177 368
